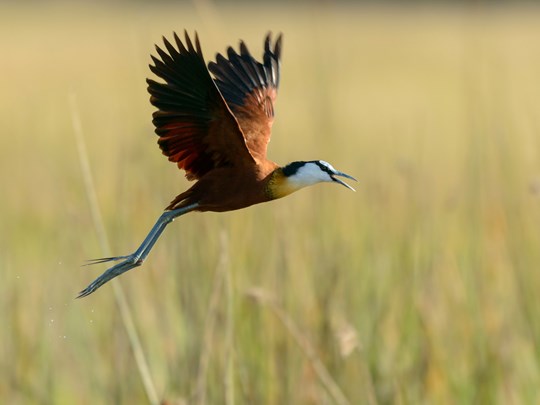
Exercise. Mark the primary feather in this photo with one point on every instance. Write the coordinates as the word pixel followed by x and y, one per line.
pixel 195 126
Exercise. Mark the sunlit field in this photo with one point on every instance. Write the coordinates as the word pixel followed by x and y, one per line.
pixel 421 287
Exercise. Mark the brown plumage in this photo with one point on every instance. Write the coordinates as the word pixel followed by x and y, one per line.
pixel 217 130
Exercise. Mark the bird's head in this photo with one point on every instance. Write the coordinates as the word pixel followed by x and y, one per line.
pixel 297 175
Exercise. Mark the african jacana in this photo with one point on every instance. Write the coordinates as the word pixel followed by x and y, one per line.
pixel 217 130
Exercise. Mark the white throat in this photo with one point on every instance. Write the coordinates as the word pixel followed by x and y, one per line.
pixel 310 174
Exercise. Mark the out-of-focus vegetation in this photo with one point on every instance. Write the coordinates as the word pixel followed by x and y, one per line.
pixel 420 287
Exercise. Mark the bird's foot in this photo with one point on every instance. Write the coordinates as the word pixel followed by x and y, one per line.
pixel 129 262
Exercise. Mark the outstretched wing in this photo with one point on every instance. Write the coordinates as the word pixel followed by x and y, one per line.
pixel 250 89
pixel 195 126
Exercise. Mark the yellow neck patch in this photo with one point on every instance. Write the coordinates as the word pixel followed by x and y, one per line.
pixel 279 186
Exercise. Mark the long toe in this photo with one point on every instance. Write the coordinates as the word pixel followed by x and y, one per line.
pixel 109 274
pixel 90 262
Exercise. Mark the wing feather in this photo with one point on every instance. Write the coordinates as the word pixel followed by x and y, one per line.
pixel 250 89
pixel 196 128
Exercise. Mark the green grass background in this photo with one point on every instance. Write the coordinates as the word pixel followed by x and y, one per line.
pixel 422 287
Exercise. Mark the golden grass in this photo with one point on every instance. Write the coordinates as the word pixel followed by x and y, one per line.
pixel 421 287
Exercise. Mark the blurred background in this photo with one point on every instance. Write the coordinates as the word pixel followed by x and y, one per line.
pixel 421 287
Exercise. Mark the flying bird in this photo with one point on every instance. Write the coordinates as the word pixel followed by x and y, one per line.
pixel 217 128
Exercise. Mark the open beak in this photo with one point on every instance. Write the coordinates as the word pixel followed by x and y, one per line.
pixel 341 174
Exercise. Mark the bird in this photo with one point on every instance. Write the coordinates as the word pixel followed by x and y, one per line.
pixel 214 122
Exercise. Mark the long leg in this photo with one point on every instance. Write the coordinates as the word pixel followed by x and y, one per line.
pixel 136 258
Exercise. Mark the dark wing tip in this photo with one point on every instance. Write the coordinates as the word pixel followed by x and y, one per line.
pixel 188 41
pixel 198 44
pixel 244 51
pixel 276 52
pixel 231 53
pixel 267 41
pixel 277 46
pixel 271 58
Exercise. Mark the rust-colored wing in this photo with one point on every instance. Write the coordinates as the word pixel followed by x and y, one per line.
pixel 250 89
pixel 196 128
